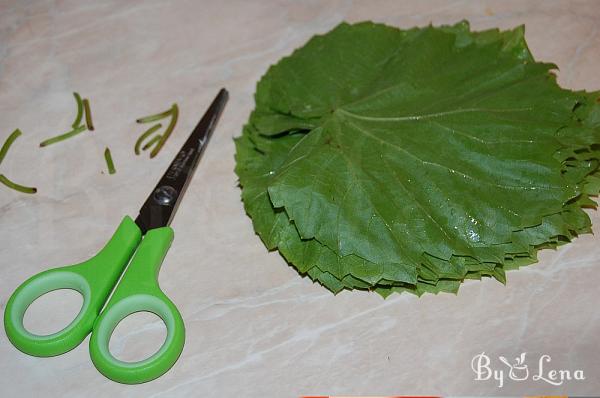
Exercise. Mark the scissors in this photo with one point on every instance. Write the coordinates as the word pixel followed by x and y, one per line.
pixel 145 242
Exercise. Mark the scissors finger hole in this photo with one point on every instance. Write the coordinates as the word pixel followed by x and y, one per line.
pixel 52 311
pixel 137 336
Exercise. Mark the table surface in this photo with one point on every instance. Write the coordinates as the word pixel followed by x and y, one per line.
pixel 255 328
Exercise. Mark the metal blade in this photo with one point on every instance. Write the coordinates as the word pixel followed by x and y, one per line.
pixel 160 207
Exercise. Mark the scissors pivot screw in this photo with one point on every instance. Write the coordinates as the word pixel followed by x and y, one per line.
pixel 165 195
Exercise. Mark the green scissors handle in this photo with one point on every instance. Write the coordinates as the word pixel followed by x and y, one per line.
pixel 95 279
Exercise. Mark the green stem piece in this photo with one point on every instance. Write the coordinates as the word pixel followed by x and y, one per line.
pixel 11 138
pixel 151 142
pixel 109 161
pixel 62 137
pixel 77 121
pixel 168 131
pixel 154 118
pixel 4 180
pixel 88 114
pixel 148 132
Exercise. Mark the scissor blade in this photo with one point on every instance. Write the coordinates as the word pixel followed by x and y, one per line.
pixel 160 207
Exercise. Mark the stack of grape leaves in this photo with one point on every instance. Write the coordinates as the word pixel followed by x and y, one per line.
pixel 410 160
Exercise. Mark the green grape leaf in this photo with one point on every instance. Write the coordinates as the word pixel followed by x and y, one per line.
pixel 409 160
